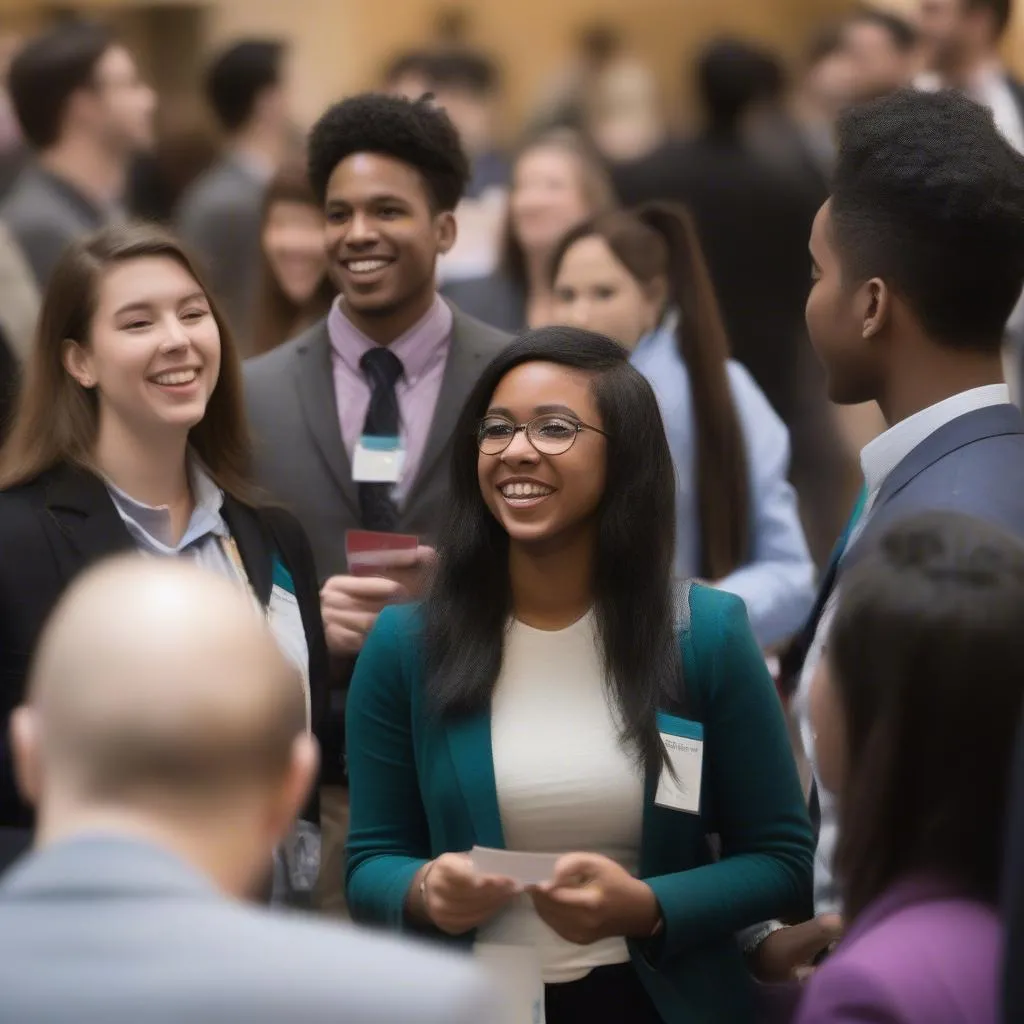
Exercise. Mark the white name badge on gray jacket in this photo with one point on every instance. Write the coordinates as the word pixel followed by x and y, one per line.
pixel 378 460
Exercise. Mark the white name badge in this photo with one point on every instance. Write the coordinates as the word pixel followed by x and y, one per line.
pixel 684 741
pixel 516 974
pixel 378 460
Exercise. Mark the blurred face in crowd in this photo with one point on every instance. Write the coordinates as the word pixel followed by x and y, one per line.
pixel 843 317
pixel 153 351
pixel 877 64
pixel 828 727
pixel 539 498
pixel 950 32
pixel 119 107
pixel 547 198
pixel 595 291
pixel 472 114
pixel 293 240
pixel 383 235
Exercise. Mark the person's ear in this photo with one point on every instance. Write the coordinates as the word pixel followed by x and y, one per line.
pixel 294 789
pixel 876 307
pixel 27 754
pixel 447 231
pixel 78 363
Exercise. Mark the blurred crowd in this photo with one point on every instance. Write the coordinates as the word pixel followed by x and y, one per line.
pixel 536 450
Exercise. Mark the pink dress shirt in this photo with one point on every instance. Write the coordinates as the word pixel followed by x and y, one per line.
pixel 423 351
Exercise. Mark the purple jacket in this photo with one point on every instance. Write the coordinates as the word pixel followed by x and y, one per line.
pixel 920 954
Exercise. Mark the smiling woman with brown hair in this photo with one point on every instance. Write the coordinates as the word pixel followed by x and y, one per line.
pixel 295 291
pixel 130 434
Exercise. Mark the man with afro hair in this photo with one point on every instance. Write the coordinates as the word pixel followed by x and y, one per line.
pixel 392 361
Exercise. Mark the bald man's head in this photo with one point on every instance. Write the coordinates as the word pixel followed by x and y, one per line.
pixel 155 679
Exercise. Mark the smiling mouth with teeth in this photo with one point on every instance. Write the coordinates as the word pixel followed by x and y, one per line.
pixel 176 377
pixel 521 490
pixel 366 266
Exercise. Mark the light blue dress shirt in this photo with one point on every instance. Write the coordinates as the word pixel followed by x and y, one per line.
pixel 777 583
pixel 150 528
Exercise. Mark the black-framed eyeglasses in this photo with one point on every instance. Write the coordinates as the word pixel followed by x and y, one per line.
pixel 550 434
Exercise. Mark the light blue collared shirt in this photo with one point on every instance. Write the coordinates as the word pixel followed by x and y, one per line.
pixel 777 583
pixel 150 528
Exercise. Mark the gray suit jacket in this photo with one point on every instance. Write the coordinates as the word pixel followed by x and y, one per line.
pixel 300 457
pixel 102 930
pixel 301 461
pixel 220 217
pixel 974 465
pixel 46 214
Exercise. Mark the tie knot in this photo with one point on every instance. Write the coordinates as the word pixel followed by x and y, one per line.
pixel 381 365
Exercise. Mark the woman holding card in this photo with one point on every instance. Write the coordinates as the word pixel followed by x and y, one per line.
pixel 545 700
pixel 130 435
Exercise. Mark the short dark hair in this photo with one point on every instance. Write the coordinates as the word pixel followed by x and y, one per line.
pixel 1001 11
pixel 733 75
pixel 411 62
pixel 465 70
pixel 466 612
pixel 927 194
pixel 900 31
pixel 415 132
pixel 927 659
pixel 238 75
pixel 48 70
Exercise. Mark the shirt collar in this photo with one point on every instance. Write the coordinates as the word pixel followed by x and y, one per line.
pixel 881 456
pixel 664 333
pixel 417 348
pixel 155 521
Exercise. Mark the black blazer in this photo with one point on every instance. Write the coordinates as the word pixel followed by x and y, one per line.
pixel 63 522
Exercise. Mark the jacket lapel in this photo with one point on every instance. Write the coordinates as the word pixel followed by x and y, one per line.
pixel 257 556
pixel 85 515
pixel 466 360
pixel 315 382
pixel 972 426
pixel 469 743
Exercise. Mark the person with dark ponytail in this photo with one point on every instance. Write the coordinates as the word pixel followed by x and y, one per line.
pixel 640 278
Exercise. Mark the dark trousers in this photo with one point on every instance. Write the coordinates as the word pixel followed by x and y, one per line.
pixel 607 995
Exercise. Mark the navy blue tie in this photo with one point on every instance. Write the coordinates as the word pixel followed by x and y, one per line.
pixel 382 368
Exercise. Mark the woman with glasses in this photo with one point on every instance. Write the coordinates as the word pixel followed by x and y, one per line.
pixel 544 700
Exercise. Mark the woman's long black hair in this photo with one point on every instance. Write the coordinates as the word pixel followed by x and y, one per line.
pixel 468 609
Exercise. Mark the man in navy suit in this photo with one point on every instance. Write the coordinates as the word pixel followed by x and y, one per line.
pixel 918 262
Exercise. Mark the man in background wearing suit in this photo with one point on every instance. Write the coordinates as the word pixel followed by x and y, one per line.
pixel 391 358
pixel 85 112
pixel 164 743
pixel 221 213
pixel 918 262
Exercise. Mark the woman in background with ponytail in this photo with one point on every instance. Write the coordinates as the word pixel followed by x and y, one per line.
pixel 640 277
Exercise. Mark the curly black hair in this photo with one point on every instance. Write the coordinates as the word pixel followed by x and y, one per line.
pixel 928 195
pixel 417 133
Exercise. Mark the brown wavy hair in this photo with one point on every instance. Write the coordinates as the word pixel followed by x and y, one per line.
pixel 660 240
pixel 57 419
pixel 278 317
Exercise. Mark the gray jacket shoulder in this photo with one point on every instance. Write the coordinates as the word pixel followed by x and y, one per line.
pixel 470 329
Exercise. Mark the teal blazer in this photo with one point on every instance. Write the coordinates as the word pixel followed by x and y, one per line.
pixel 421 786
